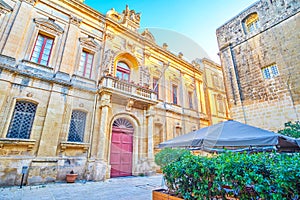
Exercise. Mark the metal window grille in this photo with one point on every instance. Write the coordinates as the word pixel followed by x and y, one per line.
pixel 22 120
pixel 77 126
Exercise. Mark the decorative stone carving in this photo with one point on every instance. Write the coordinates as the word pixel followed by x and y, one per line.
pixel 114 15
pixel 180 55
pixel 148 35
pixel 165 46
pixel 130 46
pixel 129 105
pixel 75 20
pixel 107 62
pixel 130 14
pixel 48 26
pixel 105 100
pixel 89 43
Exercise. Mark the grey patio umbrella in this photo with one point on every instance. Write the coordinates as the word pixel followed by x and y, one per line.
pixel 231 134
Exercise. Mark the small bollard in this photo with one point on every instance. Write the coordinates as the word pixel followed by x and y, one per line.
pixel 24 171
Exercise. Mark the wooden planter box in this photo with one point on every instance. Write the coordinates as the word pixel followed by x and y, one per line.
pixel 161 194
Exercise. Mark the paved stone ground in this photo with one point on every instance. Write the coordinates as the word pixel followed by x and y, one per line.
pixel 125 188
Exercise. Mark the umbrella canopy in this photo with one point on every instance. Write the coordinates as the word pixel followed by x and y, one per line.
pixel 229 134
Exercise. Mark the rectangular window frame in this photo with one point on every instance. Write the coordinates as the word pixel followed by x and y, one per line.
pixel 79 132
pixel 84 68
pixel 270 71
pixel 42 50
pixel 190 100
pixel 156 86
pixel 175 94
pixel 25 123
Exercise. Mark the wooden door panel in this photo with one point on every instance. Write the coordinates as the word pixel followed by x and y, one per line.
pixel 121 153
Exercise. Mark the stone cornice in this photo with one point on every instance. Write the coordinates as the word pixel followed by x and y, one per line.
pixel 48 26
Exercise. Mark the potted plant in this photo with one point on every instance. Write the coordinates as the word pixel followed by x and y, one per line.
pixel 71 177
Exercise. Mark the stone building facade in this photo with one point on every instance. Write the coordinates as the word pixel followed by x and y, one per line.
pixel 87 92
pixel 259 51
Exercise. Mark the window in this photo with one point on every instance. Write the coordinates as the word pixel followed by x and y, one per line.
pixel 22 120
pixel 174 92
pixel 190 98
pixel 77 126
pixel 42 50
pixel 123 71
pixel 251 23
pixel 156 86
pixel 270 71
pixel 86 63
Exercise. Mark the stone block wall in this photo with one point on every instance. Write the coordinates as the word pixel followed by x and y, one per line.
pixel 267 103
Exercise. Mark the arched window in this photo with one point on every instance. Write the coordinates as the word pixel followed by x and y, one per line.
pixel 22 120
pixel 251 23
pixel 123 71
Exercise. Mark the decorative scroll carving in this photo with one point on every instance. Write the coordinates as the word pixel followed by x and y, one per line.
pixel 75 20
pixel 48 26
pixel 105 100
pixel 89 43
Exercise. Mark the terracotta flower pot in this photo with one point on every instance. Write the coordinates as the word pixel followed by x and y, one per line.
pixel 70 178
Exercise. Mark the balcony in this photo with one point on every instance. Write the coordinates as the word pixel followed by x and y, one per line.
pixel 123 90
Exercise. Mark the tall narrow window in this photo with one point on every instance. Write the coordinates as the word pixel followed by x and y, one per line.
pixel 77 126
pixel 270 71
pixel 86 63
pixel 156 86
pixel 42 50
pixel 123 71
pixel 190 98
pixel 174 94
pixel 22 120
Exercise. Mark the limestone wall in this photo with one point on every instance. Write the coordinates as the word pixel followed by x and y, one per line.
pixel 267 103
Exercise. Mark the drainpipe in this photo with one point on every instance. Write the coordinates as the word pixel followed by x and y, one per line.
pixel 238 81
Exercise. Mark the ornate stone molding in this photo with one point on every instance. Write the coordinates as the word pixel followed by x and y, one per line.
pixel 4 8
pixel 75 20
pixel 105 100
pixel 48 26
pixel 89 43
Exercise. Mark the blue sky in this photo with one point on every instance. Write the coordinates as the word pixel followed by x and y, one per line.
pixel 196 19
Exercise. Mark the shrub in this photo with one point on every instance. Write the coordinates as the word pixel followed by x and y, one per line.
pixel 168 155
pixel 291 129
pixel 245 176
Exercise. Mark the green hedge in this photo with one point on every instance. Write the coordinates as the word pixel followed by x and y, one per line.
pixel 247 176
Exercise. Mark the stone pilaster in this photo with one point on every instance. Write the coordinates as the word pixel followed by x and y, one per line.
pixel 69 60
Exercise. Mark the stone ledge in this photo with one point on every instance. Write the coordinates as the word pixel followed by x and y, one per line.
pixel 74 145
pixel 29 144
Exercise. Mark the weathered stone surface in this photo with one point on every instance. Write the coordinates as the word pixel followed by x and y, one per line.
pixel 267 103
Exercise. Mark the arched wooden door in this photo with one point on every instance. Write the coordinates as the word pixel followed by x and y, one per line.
pixel 121 148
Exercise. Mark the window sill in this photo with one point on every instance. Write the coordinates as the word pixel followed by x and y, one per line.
pixel 74 145
pixel 6 142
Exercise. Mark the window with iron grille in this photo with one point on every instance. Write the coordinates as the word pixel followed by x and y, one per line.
pixel 77 126
pixel 22 120
pixel 42 50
